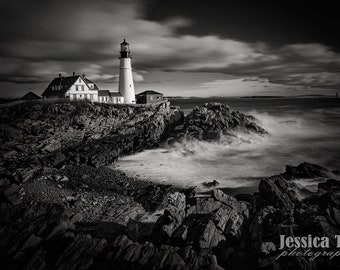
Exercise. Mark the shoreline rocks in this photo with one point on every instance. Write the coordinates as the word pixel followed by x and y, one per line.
pixel 61 208
pixel 214 120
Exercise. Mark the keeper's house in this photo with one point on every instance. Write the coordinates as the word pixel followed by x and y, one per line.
pixel 149 96
pixel 78 87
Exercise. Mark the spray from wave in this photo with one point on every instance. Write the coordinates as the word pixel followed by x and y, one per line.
pixel 237 161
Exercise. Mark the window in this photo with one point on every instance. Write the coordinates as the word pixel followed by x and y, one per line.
pixel 79 80
pixel 82 88
pixel 77 88
pixel 80 95
pixel 91 96
pixel 85 96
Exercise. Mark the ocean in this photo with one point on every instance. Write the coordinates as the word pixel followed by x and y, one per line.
pixel 300 130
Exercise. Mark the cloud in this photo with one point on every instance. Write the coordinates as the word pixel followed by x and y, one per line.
pixel 46 38
pixel 137 77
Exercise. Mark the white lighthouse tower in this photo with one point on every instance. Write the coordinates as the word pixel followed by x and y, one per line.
pixel 126 87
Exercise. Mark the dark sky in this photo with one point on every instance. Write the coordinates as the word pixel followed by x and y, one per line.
pixel 274 22
pixel 187 45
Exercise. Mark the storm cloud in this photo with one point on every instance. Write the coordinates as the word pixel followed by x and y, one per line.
pixel 43 38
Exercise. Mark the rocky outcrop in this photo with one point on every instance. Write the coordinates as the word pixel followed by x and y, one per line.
pixel 210 230
pixel 61 209
pixel 278 210
pixel 203 221
pixel 213 120
pixel 278 192
pixel 307 170
pixel 38 136
pixel 81 133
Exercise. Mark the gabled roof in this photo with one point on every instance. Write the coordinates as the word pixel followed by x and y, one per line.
pixel 30 95
pixel 116 94
pixel 149 92
pixel 103 93
pixel 64 82
pixel 87 81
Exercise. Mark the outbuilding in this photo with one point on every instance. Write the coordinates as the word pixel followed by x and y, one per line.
pixel 30 96
pixel 149 96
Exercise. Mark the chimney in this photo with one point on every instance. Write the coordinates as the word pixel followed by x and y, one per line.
pixel 74 74
pixel 59 75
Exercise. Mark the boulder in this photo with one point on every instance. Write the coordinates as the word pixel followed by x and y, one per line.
pixel 306 170
pixel 213 120
pixel 12 195
pixel 331 185
pixel 213 183
pixel 174 214
pixel 278 192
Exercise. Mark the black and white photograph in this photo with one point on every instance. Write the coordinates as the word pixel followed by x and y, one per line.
pixel 169 135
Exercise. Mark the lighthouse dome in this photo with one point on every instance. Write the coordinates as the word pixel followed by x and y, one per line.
pixel 124 42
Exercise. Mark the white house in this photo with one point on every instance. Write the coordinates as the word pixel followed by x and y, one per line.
pixel 78 87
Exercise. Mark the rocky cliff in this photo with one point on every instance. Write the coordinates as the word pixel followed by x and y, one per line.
pixel 213 120
pixel 61 208
pixel 195 231
pixel 79 133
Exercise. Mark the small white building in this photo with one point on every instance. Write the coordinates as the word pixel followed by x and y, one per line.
pixel 78 87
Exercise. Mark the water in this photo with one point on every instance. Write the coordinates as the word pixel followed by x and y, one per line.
pixel 301 130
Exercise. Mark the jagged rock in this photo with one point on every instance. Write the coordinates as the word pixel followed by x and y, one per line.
pixel 12 195
pixel 174 214
pixel 210 236
pixel 148 256
pixel 307 170
pixel 231 202
pixel 203 205
pixel 220 218
pixel 32 241
pixel 259 225
pixel 80 253
pixel 213 120
pixel 26 174
pixel 267 247
pixel 278 192
pixel 181 233
pixel 82 133
pixel 331 185
pixel 200 230
pixel 244 197
pixel 213 183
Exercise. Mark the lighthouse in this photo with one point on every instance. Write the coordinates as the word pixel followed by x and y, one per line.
pixel 126 87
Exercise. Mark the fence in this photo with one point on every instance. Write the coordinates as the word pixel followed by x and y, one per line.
pixel 56 100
